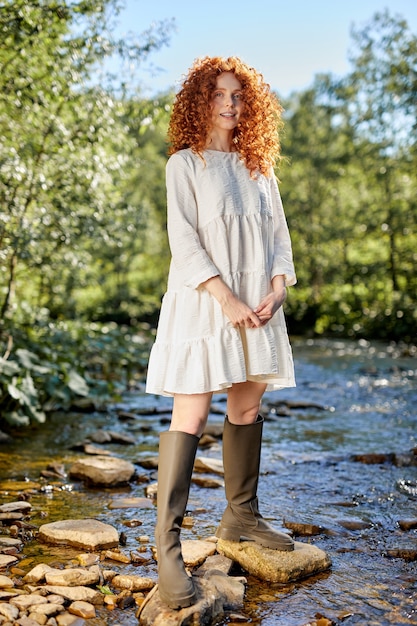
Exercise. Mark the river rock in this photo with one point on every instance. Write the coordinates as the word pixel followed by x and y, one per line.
pixel 37 573
pixel 24 602
pixel 194 552
pixel 47 608
pixel 207 464
pixel 5 582
pixel 85 594
pixel 89 534
pixel 131 503
pixel 10 542
pixel 73 576
pixel 82 609
pixel 103 470
pixel 6 560
pixel 20 505
pixel 132 582
pixel 276 565
pixel 216 593
pixel 9 611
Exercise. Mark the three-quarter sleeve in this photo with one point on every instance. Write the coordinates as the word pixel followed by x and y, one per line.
pixel 188 255
pixel 283 259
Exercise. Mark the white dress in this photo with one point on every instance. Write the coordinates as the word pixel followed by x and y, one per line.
pixel 220 222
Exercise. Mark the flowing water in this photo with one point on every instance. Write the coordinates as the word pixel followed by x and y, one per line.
pixel 352 398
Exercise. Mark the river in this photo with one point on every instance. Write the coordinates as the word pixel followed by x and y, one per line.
pixel 352 398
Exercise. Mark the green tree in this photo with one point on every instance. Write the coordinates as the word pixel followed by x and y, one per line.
pixel 383 113
pixel 58 154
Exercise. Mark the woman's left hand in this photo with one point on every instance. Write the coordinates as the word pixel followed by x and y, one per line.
pixel 267 308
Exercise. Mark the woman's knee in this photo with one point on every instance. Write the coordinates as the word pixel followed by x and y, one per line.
pixel 243 402
pixel 190 413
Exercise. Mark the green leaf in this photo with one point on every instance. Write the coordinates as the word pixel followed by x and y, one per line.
pixel 77 384
pixel 9 368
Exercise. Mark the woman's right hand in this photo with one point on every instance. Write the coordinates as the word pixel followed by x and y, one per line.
pixel 239 313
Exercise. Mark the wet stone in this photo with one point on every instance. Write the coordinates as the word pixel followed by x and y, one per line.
pixel 37 574
pixel 74 576
pixel 103 470
pixel 82 609
pixel 20 505
pixel 9 611
pixel 195 552
pixel 75 593
pixel 27 601
pixel 276 565
pixel 66 619
pixel 305 530
pixel 88 534
pixel 133 583
pixel 5 581
pixel 352 524
pixel 216 594
pixel 9 542
pixel 131 503
pixel 6 560
pixel 409 524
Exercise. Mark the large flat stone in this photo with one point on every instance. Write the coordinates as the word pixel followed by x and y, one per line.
pixel 275 565
pixel 89 534
pixel 102 470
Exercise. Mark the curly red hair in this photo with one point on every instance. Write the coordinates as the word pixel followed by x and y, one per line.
pixel 256 137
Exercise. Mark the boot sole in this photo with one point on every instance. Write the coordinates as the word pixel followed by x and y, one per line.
pixel 175 603
pixel 229 534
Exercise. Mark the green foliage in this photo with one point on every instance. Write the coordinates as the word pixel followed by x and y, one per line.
pixel 51 366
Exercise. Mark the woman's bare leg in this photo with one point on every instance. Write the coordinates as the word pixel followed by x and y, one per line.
pixel 243 401
pixel 190 412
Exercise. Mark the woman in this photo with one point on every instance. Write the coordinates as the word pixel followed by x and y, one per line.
pixel 221 326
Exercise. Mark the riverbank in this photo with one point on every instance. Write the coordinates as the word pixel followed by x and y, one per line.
pixel 352 399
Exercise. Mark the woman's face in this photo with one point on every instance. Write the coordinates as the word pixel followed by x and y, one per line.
pixel 227 102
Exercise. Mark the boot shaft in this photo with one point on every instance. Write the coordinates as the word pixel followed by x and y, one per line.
pixel 177 451
pixel 241 460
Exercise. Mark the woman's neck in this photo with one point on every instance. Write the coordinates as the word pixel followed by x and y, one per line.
pixel 221 143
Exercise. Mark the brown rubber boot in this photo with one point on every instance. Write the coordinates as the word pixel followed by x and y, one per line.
pixel 241 461
pixel 177 452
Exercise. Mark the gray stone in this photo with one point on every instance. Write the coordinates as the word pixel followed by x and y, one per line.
pixel 82 609
pixel 5 581
pixel 66 619
pixel 196 552
pixel 48 609
pixel 6 560
pixel 216 594
pixel 9 611
pixel 26 621
pixel 19 505
pixel 102 470
pixel 37 573
pixel 209 465
pixel 89 534
pixel 218 562
pixel 76 593
pixel 132 582
pixel 10 542
pixel 74 576
pixel 276 565
pixel 26 601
